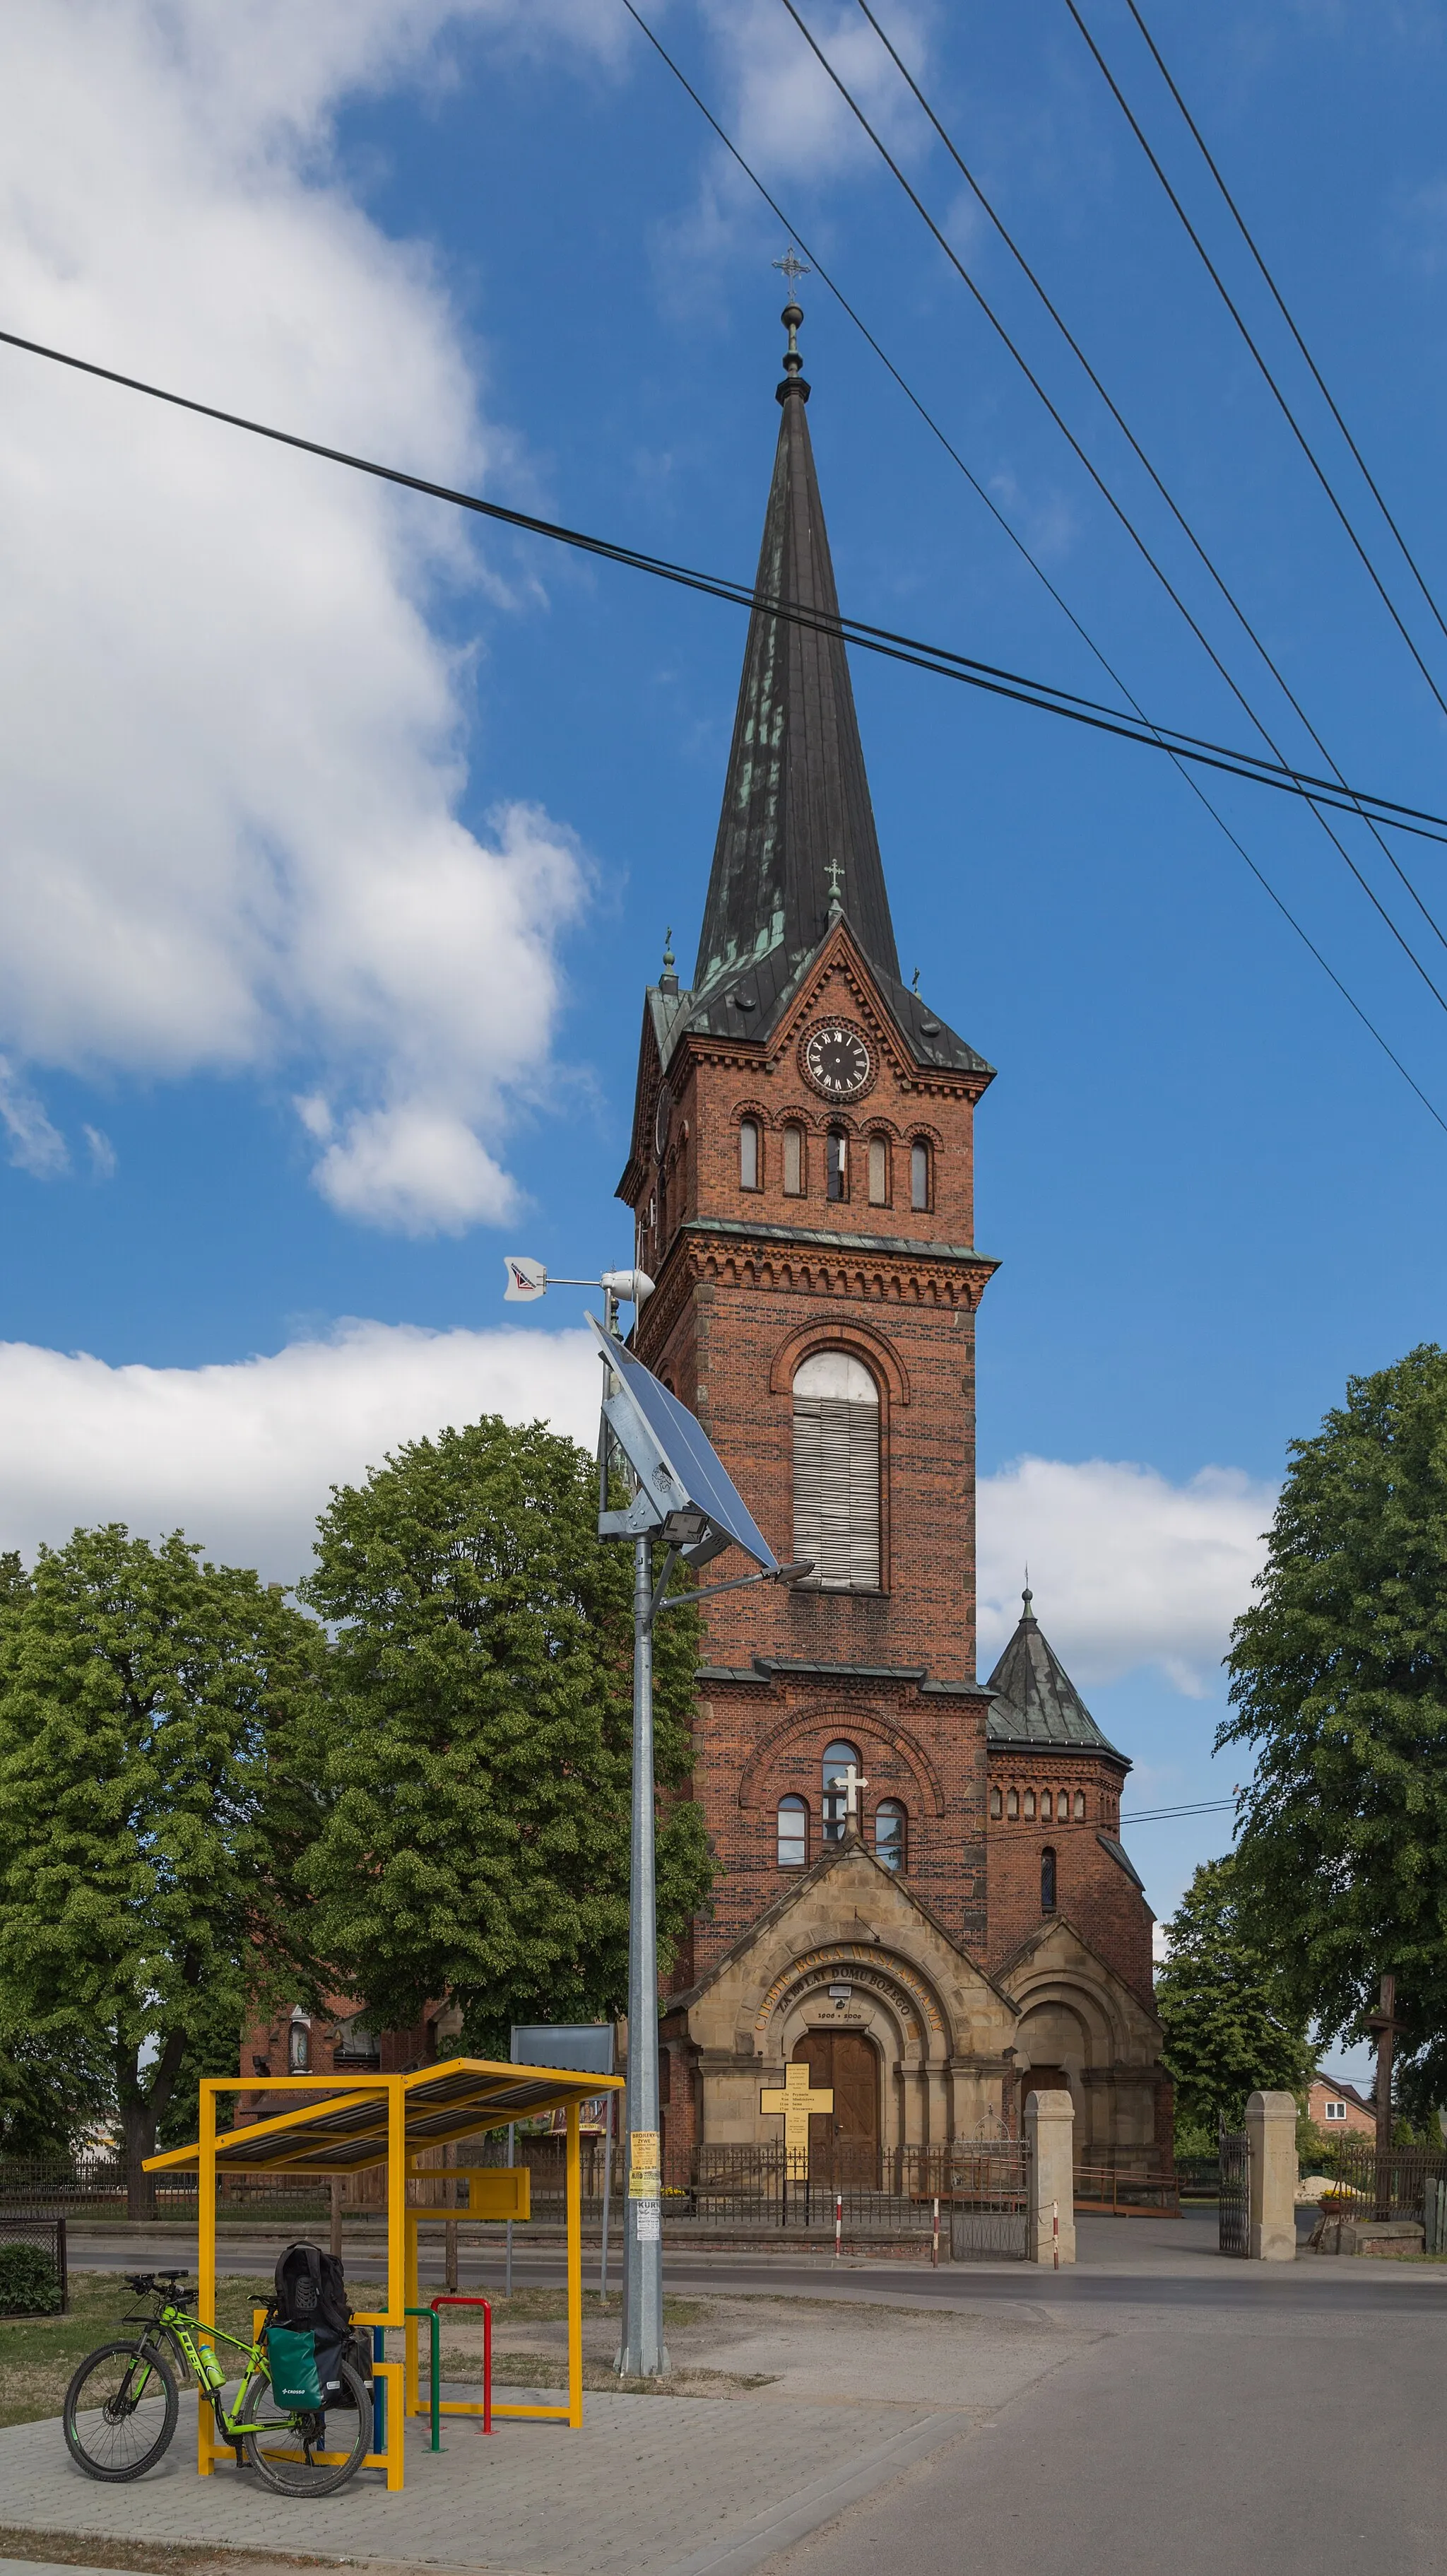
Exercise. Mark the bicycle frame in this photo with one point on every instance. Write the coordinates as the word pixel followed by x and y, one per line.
pixel 179 2328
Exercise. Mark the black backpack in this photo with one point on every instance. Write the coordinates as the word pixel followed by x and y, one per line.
pixel 311 2298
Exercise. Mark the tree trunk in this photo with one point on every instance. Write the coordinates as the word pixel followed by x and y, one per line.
pixel 138 2130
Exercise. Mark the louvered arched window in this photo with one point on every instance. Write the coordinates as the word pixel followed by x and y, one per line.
pixel 836 1472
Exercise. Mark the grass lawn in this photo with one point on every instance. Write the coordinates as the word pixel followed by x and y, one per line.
pixel 38 2354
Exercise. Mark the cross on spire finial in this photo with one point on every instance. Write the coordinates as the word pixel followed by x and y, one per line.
pixel 835 873
pixel 793 314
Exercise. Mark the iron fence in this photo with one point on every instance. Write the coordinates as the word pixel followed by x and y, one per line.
pixel 988 2189
pixel 1366 2184
pixel 48 2236
pixel 1234 2225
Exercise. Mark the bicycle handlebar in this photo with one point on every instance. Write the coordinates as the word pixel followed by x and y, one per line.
pixel 141 2282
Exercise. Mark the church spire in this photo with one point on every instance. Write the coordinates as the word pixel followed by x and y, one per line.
pixel 796 839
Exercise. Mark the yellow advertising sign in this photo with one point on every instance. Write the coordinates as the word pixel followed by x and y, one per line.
pixel 643 2164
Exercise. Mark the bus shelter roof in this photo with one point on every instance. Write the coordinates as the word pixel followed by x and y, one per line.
pixel 347 2130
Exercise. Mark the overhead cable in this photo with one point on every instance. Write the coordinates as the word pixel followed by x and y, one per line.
pixel 1238 318
pixel 1282 307
pixel 1103 487
pixel 940 659
pixel 944 664
pixel 1188 775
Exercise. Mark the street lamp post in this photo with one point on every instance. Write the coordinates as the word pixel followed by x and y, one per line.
pixel 642 2352
pixel 677 1492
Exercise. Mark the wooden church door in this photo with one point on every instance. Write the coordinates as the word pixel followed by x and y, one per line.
pixel 844 2143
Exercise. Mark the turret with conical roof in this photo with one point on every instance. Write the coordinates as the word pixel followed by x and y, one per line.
pixel 1036 1702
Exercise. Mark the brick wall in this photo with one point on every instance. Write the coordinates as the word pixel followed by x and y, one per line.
pixel 745 1292
pixel 1093 1892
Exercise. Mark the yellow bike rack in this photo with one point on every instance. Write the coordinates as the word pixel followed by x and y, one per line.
pixel 355 2123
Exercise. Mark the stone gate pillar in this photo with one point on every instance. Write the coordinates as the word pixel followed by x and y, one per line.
pixel 1271 2132
pixel 1050 2135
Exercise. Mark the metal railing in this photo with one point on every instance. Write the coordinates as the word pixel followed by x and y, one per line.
pixel 48 2235
pixel 1107 2190
pixel 1367 2185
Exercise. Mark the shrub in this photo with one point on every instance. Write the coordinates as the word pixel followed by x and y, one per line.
pixel 29 2282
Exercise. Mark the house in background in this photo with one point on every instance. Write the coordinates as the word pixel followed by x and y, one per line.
pixel 1333 2106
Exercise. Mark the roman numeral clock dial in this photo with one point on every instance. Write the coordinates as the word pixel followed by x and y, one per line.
pixel 837 1061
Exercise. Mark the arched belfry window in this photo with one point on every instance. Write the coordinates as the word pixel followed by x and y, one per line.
pixel 834 1803
pixel 836 1472
pixel 750 1177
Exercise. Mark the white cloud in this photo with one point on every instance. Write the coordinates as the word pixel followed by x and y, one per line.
pixel 1127 1568
pixel 234 745
pixel 787 115
pixel 32 1143
pixel 787 118
pixel 241 1455
pixel 102 1153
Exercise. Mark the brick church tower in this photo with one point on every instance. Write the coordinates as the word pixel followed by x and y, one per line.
pixel 801 1178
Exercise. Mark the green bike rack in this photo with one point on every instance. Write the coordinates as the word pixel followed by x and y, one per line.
pixel 435 2325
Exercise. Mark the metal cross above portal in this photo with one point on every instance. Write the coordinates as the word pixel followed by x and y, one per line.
pixel 851 1780
pixel 796 2102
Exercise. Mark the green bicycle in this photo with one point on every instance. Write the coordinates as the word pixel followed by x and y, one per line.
pixel 121 2406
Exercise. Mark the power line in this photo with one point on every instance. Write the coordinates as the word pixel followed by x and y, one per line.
pixel 1186 774
pixel 1021 1828
pixel 1218 282
pixel 1127 523
pixel 940 659
pixel 1417 575
pixel 943 664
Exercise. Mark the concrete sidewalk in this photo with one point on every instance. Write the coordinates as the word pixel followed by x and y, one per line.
pixel 650 2484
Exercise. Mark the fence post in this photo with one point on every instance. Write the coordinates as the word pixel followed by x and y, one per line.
pixel 1271 2130
pixel 1050 2133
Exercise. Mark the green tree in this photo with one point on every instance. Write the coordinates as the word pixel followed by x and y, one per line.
pixel 477 1846
pixel 1228 2032
pixel 1339 1683
pixel 158 1749
pixel 50 2094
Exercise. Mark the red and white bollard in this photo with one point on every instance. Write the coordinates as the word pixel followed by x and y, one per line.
pixel 1055 2232
pixel 838 2222
pixel 935 2243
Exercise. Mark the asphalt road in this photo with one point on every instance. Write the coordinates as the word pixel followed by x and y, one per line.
pixel 1207 2443
pixel 1126 2264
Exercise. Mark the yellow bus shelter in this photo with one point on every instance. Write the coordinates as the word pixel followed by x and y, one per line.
pixel 347 2124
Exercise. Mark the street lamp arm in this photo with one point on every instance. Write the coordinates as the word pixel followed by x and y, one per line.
pixel 790 1574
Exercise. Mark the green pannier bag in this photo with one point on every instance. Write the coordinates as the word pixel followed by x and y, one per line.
pixel 293 2362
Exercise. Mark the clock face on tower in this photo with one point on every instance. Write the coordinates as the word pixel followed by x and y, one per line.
pixel 837 1060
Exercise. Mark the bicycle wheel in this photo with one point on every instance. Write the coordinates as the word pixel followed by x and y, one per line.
pixel 120 2412
pixel 306 2454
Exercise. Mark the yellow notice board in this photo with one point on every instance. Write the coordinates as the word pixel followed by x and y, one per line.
pixel 643 2164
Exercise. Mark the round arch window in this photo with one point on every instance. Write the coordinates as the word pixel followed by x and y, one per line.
pixel 838 1758
pixel 836 1472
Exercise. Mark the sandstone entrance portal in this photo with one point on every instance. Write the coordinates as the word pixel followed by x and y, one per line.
pixel 843 2141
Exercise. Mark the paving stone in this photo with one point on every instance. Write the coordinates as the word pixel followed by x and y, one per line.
pixel 650 2486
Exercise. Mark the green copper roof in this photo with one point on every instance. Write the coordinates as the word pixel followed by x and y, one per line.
pixel 1037 1701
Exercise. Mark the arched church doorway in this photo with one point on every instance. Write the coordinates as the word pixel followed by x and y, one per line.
pixel 843 2142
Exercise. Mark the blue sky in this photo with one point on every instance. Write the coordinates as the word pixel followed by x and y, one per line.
pixel 497 243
